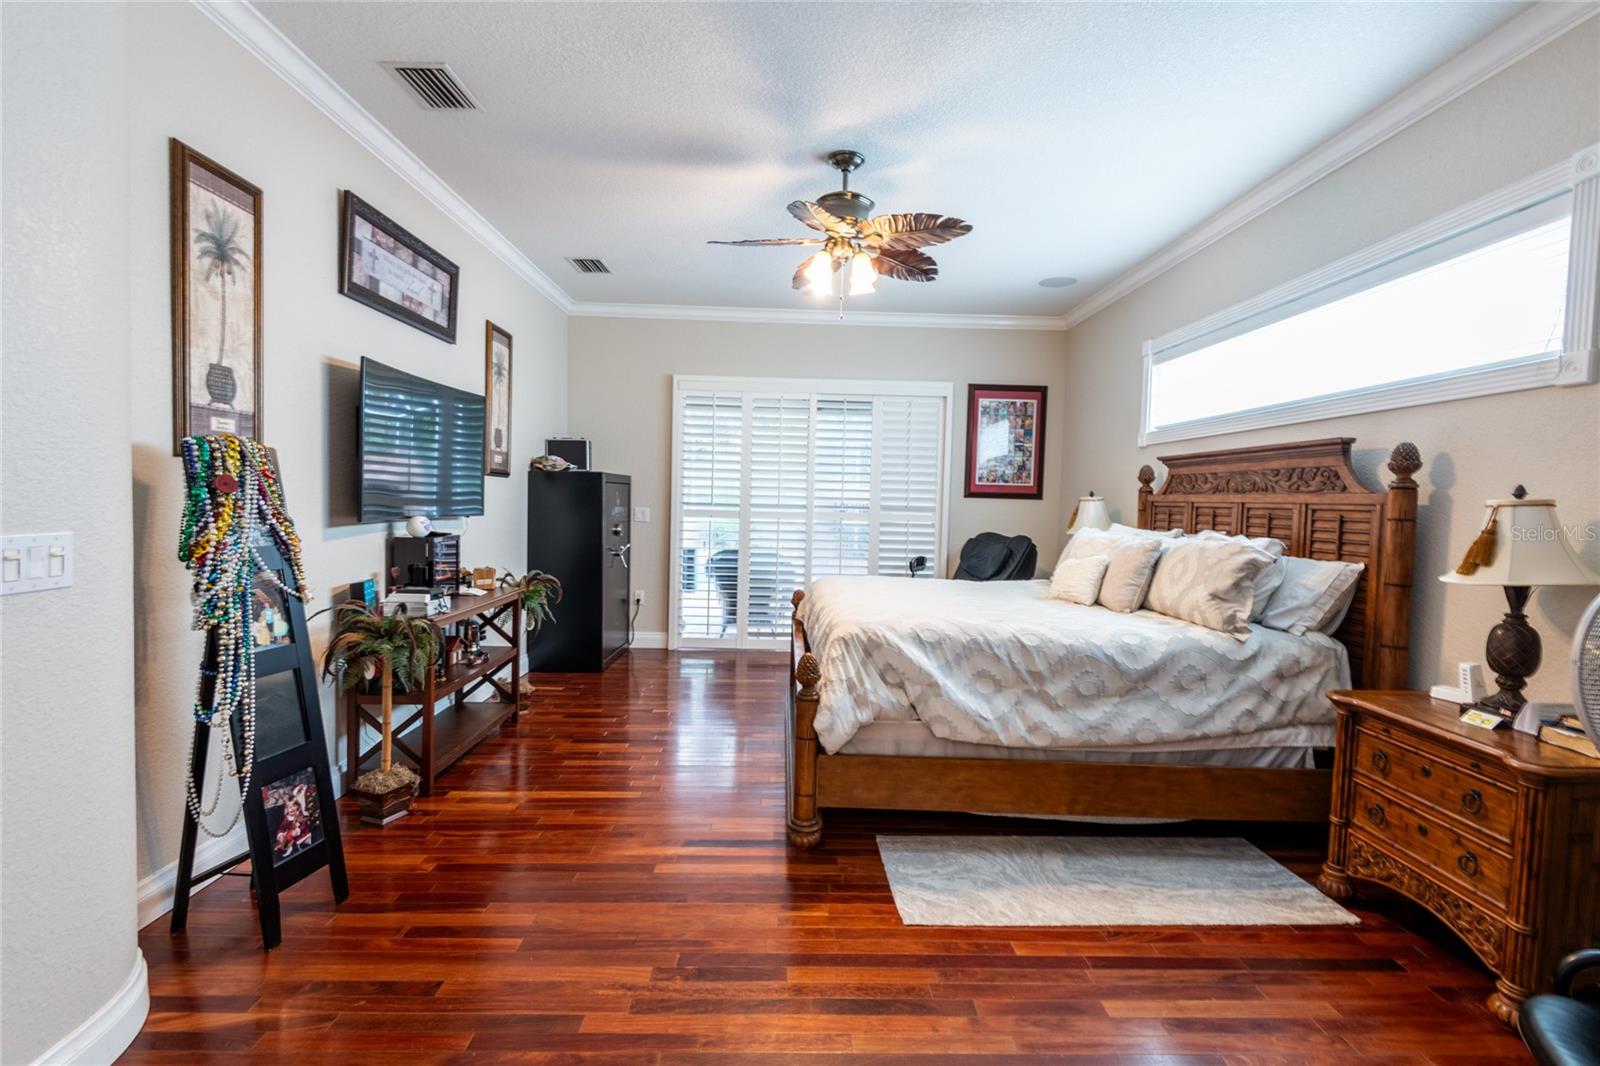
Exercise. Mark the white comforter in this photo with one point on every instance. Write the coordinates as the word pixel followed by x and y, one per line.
pixel 1003 663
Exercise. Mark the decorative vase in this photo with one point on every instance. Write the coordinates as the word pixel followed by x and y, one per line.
pixel 381 808
pixel 220 384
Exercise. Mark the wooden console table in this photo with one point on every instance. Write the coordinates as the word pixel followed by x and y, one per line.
pixel 432 737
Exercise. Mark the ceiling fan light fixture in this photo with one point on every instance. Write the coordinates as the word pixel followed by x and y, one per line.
pixel 863 275
pixel 819 275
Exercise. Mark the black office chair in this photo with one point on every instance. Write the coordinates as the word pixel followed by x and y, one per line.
pixel 1559 1029
pixel 997 557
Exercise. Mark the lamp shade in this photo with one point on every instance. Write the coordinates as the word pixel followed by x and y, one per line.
pixel 1091 514
pixel 1529 548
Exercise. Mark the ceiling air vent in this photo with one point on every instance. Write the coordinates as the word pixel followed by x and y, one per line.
pixel 434 85
pixel 589 266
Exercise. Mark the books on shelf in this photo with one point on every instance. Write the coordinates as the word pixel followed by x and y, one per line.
pixel 1567 732
pixel 416 601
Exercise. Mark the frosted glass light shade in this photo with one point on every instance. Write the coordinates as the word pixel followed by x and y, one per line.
pixel 1092 514
pixel 1530 548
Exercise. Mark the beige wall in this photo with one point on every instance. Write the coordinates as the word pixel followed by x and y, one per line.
pixel 67 943
pixel 620 395
pixel 189 80
pixel 1532 115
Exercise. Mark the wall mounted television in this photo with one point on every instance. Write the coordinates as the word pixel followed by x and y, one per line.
pixel 420 447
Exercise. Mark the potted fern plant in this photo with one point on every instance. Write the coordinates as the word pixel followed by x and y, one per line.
pixel 540 594
pixel 368 645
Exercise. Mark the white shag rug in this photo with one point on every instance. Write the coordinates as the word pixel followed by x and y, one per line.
pixel 999 880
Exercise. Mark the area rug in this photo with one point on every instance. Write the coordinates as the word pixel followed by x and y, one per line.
pixel 999 880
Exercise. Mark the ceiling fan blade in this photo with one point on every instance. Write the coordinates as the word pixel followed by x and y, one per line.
pixel 818 219
pixel 769 241
pixel 916 229
pixel 799 280
pixel 905 264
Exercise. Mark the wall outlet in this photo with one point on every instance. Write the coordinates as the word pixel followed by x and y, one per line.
pixel 638 597
pixel 641 514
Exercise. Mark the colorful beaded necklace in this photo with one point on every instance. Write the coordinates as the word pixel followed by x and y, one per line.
pixel 233 501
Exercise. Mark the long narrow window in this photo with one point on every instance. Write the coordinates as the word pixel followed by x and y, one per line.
pixel 1489 298
pixel 780 482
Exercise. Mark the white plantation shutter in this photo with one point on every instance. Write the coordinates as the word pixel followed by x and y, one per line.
pixel 908 431
pixel 841 521
pixel 781 482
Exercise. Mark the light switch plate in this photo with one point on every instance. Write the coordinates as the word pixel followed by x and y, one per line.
pixel 641 514
pixel 35 562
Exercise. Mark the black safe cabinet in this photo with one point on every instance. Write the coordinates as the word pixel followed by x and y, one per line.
pixel 580 529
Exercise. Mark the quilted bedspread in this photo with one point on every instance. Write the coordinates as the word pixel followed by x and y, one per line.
pixel 1003 663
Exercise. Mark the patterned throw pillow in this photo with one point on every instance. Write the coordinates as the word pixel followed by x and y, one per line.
pixel 1210 582
pixel 1269 579
pixel 1078 580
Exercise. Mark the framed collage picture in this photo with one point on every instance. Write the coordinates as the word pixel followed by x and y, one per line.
pixel 1005 441
pixel 497 401
pixel 216 298
pixel 385 267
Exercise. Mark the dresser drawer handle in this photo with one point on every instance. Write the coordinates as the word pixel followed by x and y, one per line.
pixel 1426 771
pixel 1472 802
pixel 1422 830
pixel 1376 814
pixel 1380 761
pixel 1468 864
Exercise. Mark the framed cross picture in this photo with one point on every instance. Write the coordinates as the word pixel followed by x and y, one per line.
pixel 497 401
pixel 386 268
pixel 1005 441
pixel 216 299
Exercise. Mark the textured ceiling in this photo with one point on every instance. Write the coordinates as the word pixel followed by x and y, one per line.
pixel 1076 138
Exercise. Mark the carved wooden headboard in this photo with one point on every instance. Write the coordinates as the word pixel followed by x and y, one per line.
pixel 1306 495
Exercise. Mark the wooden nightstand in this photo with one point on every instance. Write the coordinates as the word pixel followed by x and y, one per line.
pixel 1494 832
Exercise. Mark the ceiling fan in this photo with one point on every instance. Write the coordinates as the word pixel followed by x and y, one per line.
pixel 885 246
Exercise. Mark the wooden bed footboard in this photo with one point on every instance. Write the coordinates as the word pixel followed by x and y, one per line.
pixel 1304 494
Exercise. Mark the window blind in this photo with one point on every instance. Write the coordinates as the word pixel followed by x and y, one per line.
pixel 775 487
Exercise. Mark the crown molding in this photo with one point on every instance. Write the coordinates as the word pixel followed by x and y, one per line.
pixel 1515 40
pixel 283 57
pixel 818 317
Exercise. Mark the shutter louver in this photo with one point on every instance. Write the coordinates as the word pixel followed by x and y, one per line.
pixel 710 488
pixel 842 496
pixel 908 436
pixel 780 462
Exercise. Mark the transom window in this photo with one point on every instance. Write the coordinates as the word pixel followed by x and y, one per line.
pixel 779 482
pixel 1479 301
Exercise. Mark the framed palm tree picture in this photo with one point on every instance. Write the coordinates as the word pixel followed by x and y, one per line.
pixel 216 299
pixel 497 400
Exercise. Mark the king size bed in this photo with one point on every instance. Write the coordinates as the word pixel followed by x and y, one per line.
pixel 996 697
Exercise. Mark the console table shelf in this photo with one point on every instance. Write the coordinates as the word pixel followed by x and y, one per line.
pixel 439 724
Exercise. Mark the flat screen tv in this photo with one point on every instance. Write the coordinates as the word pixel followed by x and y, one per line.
pixel 421 447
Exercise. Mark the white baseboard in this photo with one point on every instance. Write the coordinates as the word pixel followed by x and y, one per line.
pixel 155 891
pixel 647 640
pixel 106 1033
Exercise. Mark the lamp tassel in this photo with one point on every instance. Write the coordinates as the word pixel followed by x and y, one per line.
pixel 1481 551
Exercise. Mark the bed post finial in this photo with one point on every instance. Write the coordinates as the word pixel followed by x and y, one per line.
pixel 796 597
pixel 1395 562
pixel 804 823
pixel 1147 477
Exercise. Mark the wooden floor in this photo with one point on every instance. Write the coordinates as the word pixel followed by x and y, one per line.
pixel 607 882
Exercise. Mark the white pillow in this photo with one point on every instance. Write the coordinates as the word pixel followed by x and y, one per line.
pixel 1088 542
pixel 1209 581
pixel 1269 579
pixel 1078 580
pixel 1128 571
pixel 1314 596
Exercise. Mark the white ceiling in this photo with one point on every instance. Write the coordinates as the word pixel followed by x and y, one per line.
pixel 1077 138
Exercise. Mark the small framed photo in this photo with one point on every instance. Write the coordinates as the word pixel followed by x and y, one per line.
pixel 1005 441
pixel 497 397
pixel 294 815
pixel 216 298
pixel 386 268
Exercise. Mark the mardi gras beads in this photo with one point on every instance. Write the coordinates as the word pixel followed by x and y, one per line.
pixel 232 502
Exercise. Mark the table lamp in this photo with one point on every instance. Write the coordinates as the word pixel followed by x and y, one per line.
pixel 1091 513
pixel 1522 545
